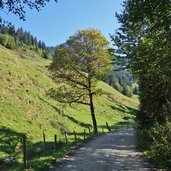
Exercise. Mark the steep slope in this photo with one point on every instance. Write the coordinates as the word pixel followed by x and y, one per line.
pixel 26 108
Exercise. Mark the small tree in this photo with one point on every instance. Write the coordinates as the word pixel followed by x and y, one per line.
pixel 4 39
pixel 79 63
pixel 11 43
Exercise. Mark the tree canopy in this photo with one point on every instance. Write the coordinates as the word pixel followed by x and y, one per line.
pixel 79 63
pixel 18 7
pixel 143 41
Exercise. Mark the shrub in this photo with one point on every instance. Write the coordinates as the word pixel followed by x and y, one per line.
pixel 156 142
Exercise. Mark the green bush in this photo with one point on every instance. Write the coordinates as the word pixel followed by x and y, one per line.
pixel 11 43
pixel 156 142
pixel 7 41
pixel 4 39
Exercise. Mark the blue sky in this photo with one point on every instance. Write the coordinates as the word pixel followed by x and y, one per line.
pixel 57 21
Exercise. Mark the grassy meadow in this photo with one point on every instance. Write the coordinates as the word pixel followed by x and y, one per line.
pixel 25 108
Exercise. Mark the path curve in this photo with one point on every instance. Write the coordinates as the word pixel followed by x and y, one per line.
pixel 109 152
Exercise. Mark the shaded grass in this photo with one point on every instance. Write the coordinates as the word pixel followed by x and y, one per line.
pixel 38 159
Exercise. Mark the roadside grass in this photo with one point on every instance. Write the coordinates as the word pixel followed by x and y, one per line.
pixel 38 160
pixel 155 143
pixel 25 108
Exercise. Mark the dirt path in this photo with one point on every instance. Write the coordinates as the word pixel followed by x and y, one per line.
pixel 109 152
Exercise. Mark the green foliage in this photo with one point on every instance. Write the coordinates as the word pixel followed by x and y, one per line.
pixel 11 43
pixel 79 63
pixel 121 81
pixel 147 52
pixel 156 144
pixel 136 90
pixel 86 51
pixel 12 39
pixel 19 7
pixel 4 39
pixel 117 86
pixel 127 91
pixel 7 41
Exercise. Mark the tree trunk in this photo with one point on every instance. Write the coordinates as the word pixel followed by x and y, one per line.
pixel 93 113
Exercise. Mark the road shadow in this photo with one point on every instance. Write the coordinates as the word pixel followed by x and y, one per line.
pixel 114 151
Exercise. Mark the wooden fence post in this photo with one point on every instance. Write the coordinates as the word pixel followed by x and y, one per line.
pixel 44 142
pixel 89 129
pixel 75 136
pixel 66 138
pixel 108 127
pixel 25 151
pixel 84 134
pixel 55 141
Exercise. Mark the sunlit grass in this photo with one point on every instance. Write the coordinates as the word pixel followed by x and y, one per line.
pixel 26 108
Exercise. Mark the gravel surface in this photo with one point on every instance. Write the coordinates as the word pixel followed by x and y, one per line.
pixel 109 152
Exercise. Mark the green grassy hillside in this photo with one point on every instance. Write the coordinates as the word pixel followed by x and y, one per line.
pixel 26 108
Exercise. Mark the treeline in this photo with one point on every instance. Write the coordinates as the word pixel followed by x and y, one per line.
pixel 123 82
pixel 14 38
pixel 143 40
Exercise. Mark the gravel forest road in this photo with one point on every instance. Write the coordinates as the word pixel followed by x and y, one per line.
pixel 114 151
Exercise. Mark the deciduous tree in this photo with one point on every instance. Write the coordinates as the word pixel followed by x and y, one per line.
pixel 78 64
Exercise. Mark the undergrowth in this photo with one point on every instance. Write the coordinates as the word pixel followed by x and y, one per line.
pixel 156 144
